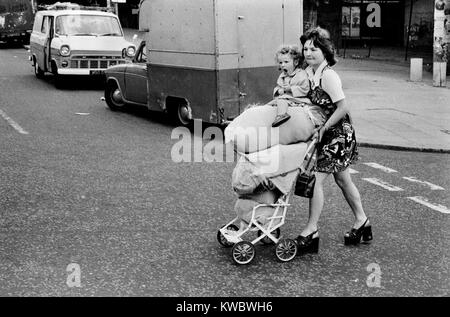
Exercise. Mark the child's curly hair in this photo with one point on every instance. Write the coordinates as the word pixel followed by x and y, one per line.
pixel 292 50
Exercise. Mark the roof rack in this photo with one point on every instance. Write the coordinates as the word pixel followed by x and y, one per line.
pixel 72 6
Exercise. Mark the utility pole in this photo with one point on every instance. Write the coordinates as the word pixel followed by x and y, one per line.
pixel 440 42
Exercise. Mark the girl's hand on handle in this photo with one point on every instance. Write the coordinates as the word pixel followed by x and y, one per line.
pixel 318 133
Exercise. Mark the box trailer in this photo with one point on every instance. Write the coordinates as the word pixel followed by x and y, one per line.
pixel 209 59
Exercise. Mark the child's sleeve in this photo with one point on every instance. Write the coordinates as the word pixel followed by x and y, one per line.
pixel 300 84
pixel 279 83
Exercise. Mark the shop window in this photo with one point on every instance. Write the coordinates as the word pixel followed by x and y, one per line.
pixel 351 21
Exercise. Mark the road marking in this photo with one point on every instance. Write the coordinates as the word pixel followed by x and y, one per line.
pixel 82 113
pixel 432 186
pixel 383 184
pixel 424 201
pixel 352 171
pixel 12 123
pixel 381 167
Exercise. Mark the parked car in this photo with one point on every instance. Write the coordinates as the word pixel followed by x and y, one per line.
pixel 16 20
pixel 71 40
pixel 127 84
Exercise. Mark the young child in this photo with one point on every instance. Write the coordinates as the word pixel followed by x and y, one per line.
pixel 292 84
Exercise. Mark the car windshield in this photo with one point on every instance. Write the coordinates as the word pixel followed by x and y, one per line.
pixel 94 25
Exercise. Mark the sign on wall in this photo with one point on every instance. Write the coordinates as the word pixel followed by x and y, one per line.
pixel 351 20
pixel 378 19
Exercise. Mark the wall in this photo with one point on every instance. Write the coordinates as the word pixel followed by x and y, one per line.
pixel 422 21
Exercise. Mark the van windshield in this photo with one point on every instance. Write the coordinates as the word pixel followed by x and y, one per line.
pixel 82 25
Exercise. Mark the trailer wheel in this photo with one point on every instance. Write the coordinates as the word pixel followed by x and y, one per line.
pixel 179 110
pixel 183 114
pixel 113 96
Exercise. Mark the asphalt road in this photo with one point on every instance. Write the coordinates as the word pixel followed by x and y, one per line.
pixel 90 191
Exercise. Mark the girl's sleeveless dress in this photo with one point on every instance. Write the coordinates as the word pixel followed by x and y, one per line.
pixel 338 148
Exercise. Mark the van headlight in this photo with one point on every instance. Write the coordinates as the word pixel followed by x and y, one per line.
pixel 130 51
pixel 64 50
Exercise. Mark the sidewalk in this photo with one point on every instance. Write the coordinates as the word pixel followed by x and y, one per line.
pixel 388 110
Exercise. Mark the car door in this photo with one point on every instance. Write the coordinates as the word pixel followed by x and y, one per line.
pixel 48 42
pixel 136 77
pixel 41 42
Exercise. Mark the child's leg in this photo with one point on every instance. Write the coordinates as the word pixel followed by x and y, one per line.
pixel 282 116
pixel 282 106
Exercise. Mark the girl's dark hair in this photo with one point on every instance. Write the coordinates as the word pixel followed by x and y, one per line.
pixel 321 38
pixel 292 50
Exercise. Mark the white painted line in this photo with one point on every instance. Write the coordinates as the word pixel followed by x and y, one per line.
pixel 381 167
pixel 82 113
pixel 352 171
pixel 424 201
pixel 383 184
pixel 12 123
pixel 432 186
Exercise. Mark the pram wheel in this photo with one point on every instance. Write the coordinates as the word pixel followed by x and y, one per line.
pixel 266 240
pixel 286 250
pixel 222 240
pixel 243 252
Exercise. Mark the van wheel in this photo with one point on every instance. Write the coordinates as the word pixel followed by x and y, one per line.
pixel 113 97
pixel 38 71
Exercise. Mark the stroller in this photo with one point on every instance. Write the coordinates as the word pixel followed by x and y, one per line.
pixel 267 218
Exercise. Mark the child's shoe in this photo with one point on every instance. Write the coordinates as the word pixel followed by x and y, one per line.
pixel 280 119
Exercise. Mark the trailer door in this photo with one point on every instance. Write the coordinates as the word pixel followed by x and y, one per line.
pixel 263 25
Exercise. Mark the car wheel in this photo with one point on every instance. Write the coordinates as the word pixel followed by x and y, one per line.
pixel 38 71
pixel 113 97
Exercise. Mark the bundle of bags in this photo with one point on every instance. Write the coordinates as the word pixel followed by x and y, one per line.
pixel 269 159
pixel 252 130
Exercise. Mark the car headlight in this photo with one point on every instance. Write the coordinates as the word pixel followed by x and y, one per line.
pixel 64 50
pixel 131 51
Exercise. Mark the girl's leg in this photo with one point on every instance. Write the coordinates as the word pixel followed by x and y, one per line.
pixel 315 205
pixel 351 194
pixel 282 106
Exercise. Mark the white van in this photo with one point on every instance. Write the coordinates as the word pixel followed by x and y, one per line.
pixel 69 40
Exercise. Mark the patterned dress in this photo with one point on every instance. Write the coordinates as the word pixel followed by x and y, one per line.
pixel 338 148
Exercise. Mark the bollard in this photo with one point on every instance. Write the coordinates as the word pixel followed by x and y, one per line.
pixel 416 69
pixel 439 74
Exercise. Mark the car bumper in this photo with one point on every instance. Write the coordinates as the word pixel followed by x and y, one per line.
pixel 71 71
